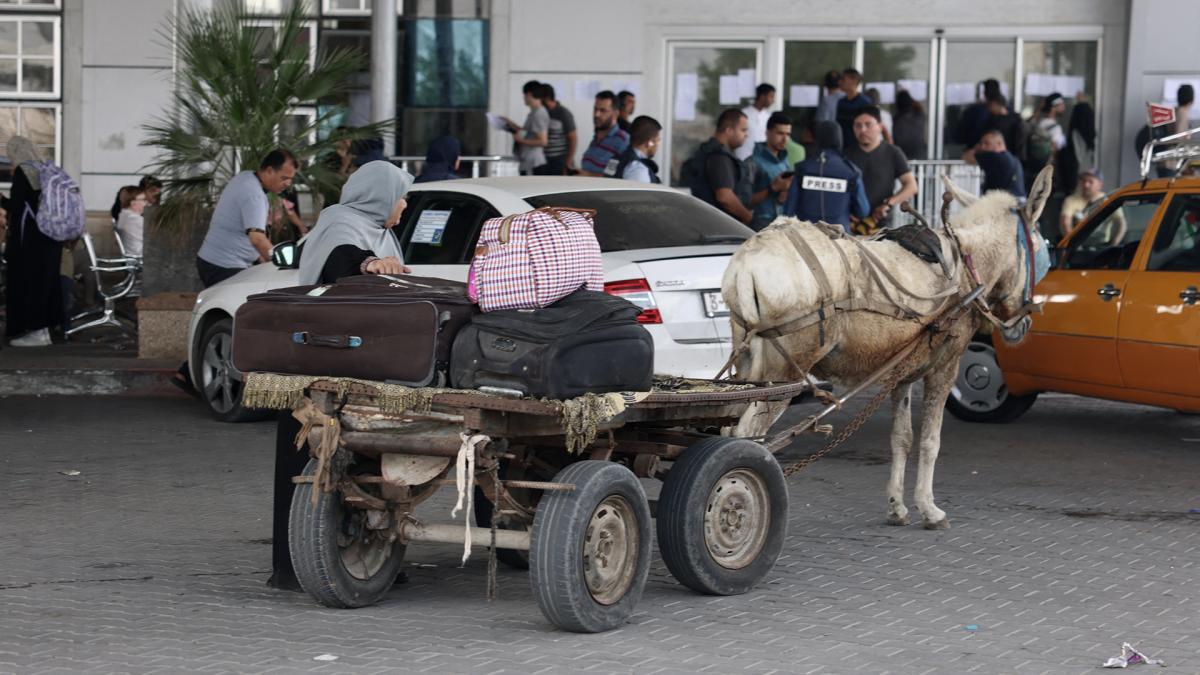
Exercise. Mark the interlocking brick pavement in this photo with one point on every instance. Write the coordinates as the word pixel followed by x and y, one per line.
pixel 1072 532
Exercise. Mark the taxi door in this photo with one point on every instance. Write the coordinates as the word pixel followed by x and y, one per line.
pixel 1075 336
pixel 1158 341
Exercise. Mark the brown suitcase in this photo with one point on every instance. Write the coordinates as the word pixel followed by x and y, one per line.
pixel 376 327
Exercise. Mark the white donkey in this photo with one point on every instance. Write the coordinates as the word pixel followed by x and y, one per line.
pixel 877 298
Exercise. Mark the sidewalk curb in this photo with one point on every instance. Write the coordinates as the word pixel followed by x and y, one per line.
pixel 88 382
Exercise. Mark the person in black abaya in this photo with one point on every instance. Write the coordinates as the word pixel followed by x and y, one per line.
pixel 34 301
pixel 1080 153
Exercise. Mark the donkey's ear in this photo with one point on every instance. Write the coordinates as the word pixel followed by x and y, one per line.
pixel 962 196
pixel 1038 194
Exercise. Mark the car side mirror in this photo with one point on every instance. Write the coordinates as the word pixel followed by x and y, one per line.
pixel 284 255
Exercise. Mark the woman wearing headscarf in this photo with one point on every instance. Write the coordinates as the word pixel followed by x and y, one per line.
pixel 441 160
pixel 355 236
pixel 34 300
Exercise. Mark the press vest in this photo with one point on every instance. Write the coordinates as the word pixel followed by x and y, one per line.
pixel 826 185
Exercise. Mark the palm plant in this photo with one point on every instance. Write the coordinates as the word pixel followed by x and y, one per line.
pixel 234 92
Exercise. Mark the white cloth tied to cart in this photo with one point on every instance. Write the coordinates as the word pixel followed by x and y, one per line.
pixel 464 480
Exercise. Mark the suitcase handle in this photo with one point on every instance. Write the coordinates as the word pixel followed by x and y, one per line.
pixel 335 341
pixel 506 224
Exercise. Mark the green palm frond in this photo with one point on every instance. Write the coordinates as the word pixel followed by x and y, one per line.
pixel 231 100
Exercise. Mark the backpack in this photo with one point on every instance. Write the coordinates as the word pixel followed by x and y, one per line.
pixel 1039 146
pixel 60 213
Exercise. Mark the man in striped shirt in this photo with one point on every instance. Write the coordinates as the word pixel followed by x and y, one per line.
pixel 560 145
pixel 604 154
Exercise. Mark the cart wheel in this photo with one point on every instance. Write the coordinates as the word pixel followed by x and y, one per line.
pixel 590 549
pixel 722 516
pixel 338 560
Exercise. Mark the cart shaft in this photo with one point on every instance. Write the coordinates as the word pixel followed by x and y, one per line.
pixel 443 533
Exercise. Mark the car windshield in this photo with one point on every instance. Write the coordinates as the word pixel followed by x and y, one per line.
pixel 639 219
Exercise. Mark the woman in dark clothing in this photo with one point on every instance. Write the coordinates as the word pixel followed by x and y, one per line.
pixel 908 127
pixel 350 238
pixel 1080 153
pixel 34 302
pixel 441 160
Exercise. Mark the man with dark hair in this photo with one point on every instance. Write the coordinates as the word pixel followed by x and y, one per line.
pixel 237 236
pixel 757 114
pixel 853 101
pixel 601 157
pixel 772 172
pixel 626 102
pixel 637 162
pixel 714 174
pixel 976 116
pixel 1001 169
pixel 827 108
pixel 530 146
pixel 561 137
pixel 1008 123
pixel 882 164
pixel 826 187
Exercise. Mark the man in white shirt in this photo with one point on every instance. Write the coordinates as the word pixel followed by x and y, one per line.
pixel 757 113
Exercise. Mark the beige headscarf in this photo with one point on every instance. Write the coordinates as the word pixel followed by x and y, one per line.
pixel 22 153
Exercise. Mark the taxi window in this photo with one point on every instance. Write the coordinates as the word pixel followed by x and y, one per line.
pixel 1110 240
pixel 1176 246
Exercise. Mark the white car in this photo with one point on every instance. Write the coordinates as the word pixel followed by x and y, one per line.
pixel 663 250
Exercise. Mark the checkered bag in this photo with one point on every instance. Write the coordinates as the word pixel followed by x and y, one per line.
pixel 534 259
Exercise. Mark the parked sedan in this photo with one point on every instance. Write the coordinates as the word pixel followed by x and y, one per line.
pixel 663 250
pixel 1121 318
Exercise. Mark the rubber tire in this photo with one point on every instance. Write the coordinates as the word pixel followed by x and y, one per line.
pixel 237 413
pixel 312 540
pixel 682 504
pixel 1009 410
pixel 556 551
pixel 516 559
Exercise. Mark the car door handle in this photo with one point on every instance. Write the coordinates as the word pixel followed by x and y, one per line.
pixel 1189 295
pixel 1108 292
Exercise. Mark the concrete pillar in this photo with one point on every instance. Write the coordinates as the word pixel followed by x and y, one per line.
pixel 383 68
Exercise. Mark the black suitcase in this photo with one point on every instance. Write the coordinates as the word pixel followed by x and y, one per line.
pixel 588 342
pixel 395 329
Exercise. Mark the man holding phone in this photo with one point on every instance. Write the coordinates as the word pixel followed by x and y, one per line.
pixel 772 172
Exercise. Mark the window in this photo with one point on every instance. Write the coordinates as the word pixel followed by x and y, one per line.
pixel 39 122
pixel 31 4
pixel 1110 240
pixel 444 228
pixel 628 220
pixel 1175 248
pixel 267 36
pixel 447 63
pixel 29 57
pixel 804 67
pixel 273 7
pixel 347 7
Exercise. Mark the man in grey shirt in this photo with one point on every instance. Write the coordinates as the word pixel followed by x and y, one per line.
pixel 827 108
pixel 531 139
pixel 237 236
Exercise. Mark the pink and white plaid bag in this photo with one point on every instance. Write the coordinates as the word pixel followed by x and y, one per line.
pixel 534 259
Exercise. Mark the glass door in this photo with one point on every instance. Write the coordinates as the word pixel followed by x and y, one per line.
pixel 805 63
pixel 893 67
pixel 965 64
pixel 705 78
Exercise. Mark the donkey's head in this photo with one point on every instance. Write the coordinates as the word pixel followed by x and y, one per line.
pixel 988 228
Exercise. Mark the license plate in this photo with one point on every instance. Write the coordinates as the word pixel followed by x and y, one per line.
pixel 714 304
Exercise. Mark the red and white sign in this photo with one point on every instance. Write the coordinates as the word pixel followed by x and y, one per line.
pixel 1160 114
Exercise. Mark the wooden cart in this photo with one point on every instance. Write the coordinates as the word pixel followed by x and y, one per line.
pixel 580 522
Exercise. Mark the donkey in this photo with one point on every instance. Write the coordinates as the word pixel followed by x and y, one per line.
pixel 771 284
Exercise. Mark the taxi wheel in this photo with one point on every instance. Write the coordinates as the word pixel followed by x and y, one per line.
pixel 979 393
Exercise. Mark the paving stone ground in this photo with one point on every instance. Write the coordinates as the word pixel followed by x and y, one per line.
pixel 1073 530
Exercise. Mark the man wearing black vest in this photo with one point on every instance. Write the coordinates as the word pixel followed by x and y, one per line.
pixel 637 162
pixel 715 174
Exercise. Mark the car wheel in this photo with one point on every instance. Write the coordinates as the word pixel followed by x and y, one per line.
pixel 219 383
pixel 979 393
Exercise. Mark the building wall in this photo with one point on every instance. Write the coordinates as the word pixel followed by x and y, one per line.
pixel 116 77
pixel 1162 44
pixel 623 40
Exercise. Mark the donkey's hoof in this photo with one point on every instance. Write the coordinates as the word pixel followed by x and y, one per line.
pixel 943 524
pixel 897 520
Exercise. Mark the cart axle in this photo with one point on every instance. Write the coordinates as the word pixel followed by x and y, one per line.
pixel 443 533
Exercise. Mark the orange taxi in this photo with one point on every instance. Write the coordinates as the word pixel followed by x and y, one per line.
pixel 1121 317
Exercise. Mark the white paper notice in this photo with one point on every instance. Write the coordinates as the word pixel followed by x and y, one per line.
pixel 685 109
pixel 1069 85
pixel 746 83
pixel 728 92
pixel 430 227
pixel 586 90
pixel 496 122
pixel 686 93
pixel 1037 84
pixel 960 93
pixel 630 86
pixel 887 92
pixel 918 89
pixel 804 95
